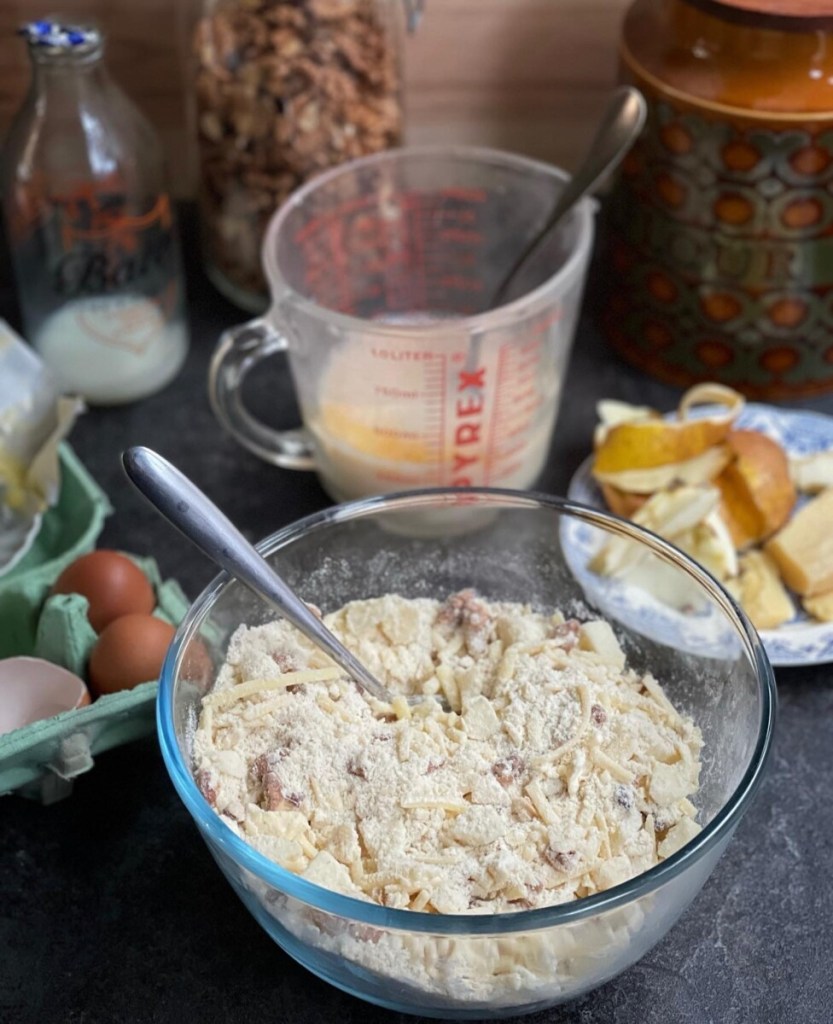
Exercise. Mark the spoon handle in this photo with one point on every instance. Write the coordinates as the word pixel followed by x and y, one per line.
pixel 185 506
pixel 622 122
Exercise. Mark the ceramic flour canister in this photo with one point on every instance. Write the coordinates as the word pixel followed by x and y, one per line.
pixel 720 229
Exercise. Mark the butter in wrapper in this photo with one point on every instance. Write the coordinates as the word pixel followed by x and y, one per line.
pixel 34 419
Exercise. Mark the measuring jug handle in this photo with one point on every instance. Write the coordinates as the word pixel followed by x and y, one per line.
pixel 238 351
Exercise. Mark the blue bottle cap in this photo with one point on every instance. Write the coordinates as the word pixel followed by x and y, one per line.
pixel 55 35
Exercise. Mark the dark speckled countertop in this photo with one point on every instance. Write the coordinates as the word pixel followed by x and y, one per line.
pixel 112 911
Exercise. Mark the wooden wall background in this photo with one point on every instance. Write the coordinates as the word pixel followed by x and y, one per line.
pixel 525 75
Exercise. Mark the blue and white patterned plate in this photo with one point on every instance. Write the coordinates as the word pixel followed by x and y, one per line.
pixel 802 641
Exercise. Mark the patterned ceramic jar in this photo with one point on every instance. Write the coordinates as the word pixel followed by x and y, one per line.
pixel 721 226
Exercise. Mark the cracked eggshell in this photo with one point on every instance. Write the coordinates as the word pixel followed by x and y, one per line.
pixel 32 689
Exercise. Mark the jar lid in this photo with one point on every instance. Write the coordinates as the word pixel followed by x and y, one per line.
pixel 797 14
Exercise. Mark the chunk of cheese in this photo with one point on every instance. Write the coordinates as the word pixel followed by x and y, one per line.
pixel 812 473
pixel 803 549
pixel 820 606
pixel 761 593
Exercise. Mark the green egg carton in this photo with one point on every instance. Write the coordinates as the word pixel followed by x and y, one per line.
pixel 41 759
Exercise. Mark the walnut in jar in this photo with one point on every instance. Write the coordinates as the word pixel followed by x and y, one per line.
pixel 285 89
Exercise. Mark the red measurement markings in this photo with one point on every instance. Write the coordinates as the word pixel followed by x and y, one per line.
pixel 452 245
pixel 464 235
pixel 386 391
pixel 316 224
pixel 321 251
pixel 467 195
pixel 529 348
pixel 515 432
pixel 489 459
pixel 424 213
pixel 413 204
pixel 434 415
pixel 517 399
pixel 353 256
pixel 512 467
pixel 523 397
pixel 321 292
pixel 403 355
pixel 397 433
pixel 530 408
pixel 411 381
pixel 459 215
pixel 456 282
pixel 397 246
pixel 466 260
pixel 365 242
pixel 527 365
pixel 543 323
pixel 341 270
pixel 512 449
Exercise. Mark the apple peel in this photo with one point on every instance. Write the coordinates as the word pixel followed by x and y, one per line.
pixel 647 441
pixel 700 469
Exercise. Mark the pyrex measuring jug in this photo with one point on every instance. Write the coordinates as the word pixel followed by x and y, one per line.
pixel 381 273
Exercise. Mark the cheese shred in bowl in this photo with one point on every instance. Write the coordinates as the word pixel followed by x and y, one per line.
pixel 558 773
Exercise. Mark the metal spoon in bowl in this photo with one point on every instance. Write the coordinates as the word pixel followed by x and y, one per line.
pixel 620 126
pixel 185 506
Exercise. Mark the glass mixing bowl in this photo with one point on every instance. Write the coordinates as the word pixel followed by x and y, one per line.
pixel 671 618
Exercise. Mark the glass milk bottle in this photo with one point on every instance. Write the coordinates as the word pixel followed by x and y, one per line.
pixel 90 224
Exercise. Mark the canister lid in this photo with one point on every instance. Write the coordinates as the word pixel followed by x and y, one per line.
pixel 796 14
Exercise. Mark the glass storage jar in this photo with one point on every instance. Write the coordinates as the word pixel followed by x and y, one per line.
pixel 720 229
pixel 284 89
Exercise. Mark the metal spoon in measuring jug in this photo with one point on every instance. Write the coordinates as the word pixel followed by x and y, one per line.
pixel 622 122
pixel 185 506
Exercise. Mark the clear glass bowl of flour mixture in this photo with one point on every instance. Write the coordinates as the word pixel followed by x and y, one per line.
pixel 671 619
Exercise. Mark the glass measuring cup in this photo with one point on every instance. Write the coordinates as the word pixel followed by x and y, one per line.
pixel 381 273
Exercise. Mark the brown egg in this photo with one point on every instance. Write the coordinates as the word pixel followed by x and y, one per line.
pixel 128 652
pixel 112 583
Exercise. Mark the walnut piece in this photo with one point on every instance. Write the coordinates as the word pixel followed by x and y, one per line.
pixel 275 796
pixel 467 610
pixel 509 769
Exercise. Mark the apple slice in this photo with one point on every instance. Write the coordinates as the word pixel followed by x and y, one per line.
pixel 761 593
pixel 668 513
pixel 757 492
